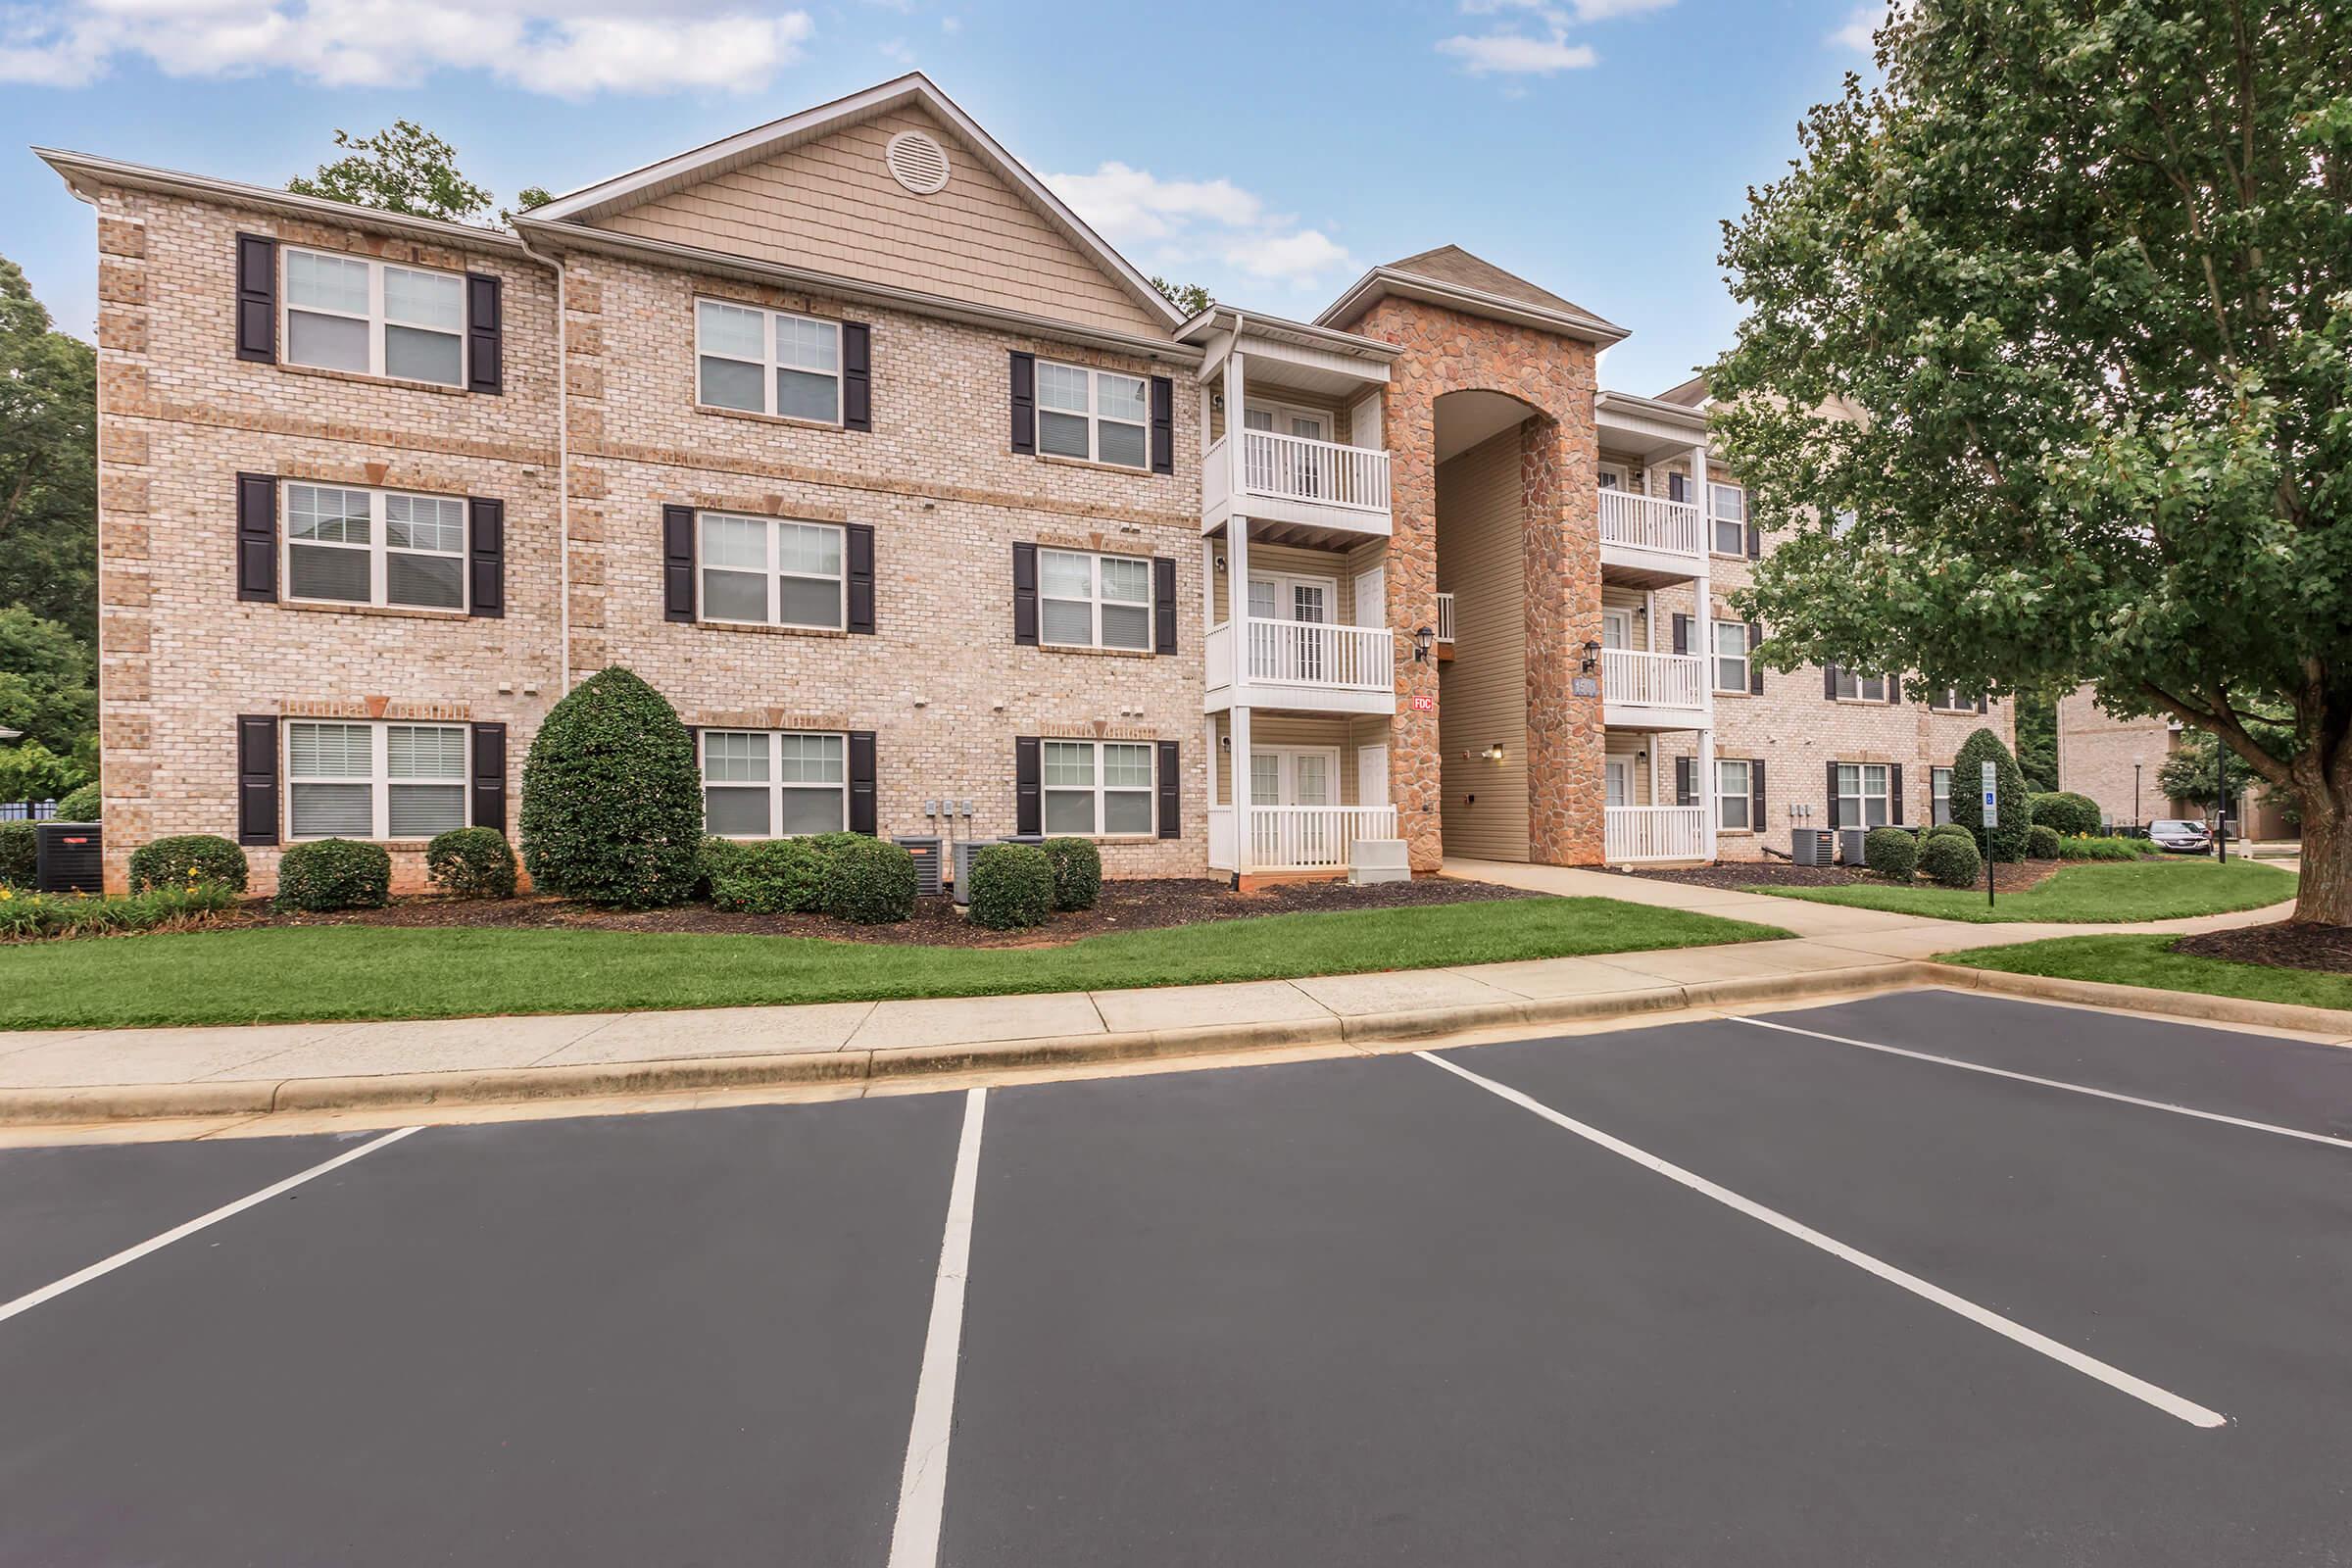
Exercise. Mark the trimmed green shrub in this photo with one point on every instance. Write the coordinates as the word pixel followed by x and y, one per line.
pixel 472 863
pixel 1012 886
pixel 870 882
pixel 80 805
pixel 30 916
pixel 2006 841
pixel 175 862
pixel 1077 873
pixel 2068 814
pixel 2107 849
pixel 710 861
pixel 322 874
pixel 771 876
pixel 1891 852
pixel 1950 858
pixel 2042 841
pixel 611 797
pixel 20 855
pixel 1950 830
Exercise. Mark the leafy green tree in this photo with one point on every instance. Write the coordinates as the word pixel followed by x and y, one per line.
pixel 48 465
pixel 1190 298
pixel 405 168
pixel 2188 771
pixel 2043 373
pixel 31 771
pixel 47 681
pixel 2037 741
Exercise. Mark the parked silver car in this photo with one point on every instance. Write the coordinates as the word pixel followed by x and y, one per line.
pixel 2181 836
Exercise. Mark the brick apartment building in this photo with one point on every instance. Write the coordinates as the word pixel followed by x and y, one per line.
pixel 927 512
pixel 2115 761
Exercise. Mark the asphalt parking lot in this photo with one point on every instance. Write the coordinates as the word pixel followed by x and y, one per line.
pixel 1720 1292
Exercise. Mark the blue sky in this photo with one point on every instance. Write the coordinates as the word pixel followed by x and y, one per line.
pixel 1270 152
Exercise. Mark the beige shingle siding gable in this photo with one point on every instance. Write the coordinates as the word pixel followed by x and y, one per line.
pixel 831 205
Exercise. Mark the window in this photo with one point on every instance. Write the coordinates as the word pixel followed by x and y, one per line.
pixel 765 361
pixel 1098 788
pixel 769 571
pixel 764 784
pixel 1678 487
pixel 1097 415
pixel 374 547
pixel 1948 700
pixel 1861 795
pixel 1732 799
pixel 1940 796
pixel 1730 656
pixel 1854 688
pixel 375 781
pixel 349 312
pixel 1093 600
pixel 1727 505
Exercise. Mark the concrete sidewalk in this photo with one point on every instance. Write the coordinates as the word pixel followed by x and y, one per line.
pixel 83 1075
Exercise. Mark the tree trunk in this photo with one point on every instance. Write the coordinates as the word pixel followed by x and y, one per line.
pixel 2324 896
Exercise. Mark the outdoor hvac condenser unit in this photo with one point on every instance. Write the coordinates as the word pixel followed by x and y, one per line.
pixel 965 849
pixel 1809 845
pixel 68 858
pixel 1849 845
pixel 927 867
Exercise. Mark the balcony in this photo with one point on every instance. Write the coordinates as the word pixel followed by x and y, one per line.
pixel 1654 691
pixel 1307 666
pixel 1635 833
pixel 1648 541
pixel 1292 480
pixel 1297 837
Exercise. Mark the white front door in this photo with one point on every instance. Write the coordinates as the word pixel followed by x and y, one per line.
pixel 1619 773
pixel 1616 628
pixel 1372 597
pixel 1371 776
pixel 1286 650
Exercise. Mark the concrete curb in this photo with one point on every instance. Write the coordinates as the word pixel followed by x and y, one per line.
pixel 2196 1005
pixel 530 1085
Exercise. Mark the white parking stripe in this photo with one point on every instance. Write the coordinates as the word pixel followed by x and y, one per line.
pixel 2055 1082
pixel 923 1483
pixel 131 1254
pixel 2171 1405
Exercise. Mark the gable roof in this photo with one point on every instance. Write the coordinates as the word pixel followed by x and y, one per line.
pixel 624 192
pixel 1691 394
pixel 1450 264
pixel 1451 276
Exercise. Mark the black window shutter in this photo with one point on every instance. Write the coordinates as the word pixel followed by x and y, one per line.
pixel 856 376
pixel 1984 705
pixel 1682 634
pixel 677 563
pixel 1685 782
pixel 1894 690
pixel 1755 670
pixel 256 305
pixel 1028 784
pixel 490 776
pixel 485 334
pixel 863 814
pixel 1755 540
pixel 1163 604
pixel 1163 425
pixel 257 538
pixel 1829 681
pixel 1171 793
pixel 1895 793
pixel 1755 796
pixel 257 778
pixel 1678 487
pixel 1024 402
pixel 486 557
pixel 1024 595
pixel 862 576
pixel 1833 767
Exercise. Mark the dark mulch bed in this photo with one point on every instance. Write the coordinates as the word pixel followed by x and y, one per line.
pixel 1125 906
pixel 2284 946
pixel 1741 875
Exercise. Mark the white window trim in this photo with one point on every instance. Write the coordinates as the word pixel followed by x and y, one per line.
pixel 1613 470
pixel 1093 417
pixel 1859 680
pixel 1150 790
pixel 1862 799
pixel 378 776
pixel 1716 657
pixel 776 783
pixel 1745 795
pixel 768 365
pixel 1716 519
pixel 771 571
pixel 377 548
pixel 1283 582
pixel 1094 601
pixel 1939 808
pixel 375 318
pixel 1957 705
pixel 1287 774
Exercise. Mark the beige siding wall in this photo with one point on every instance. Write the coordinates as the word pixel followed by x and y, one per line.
pixel 1336 567
pixel 1276 732
pixel 833 207
pixel 1483 689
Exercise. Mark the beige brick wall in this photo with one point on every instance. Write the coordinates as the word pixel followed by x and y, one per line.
pixel 2097 754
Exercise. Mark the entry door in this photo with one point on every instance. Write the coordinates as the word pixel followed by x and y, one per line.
pixel 1371 776
pixel 1295 778
pixel 1300 471
pixel 1372 597
pixel 1618 771
pixel 1616 628
pixel 1296 603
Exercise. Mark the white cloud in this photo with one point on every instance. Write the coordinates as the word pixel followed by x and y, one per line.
pixel 1516 54
pixel 1299 258
pixel 1864 20
pixel 1131 204
pixel 1186 227
pixel 950 24
pixel 570 50
pixel 1560 11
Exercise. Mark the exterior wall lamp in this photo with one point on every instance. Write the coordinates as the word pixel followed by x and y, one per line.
pixel 1494 751
pixel 1591 655
pixel 1422 637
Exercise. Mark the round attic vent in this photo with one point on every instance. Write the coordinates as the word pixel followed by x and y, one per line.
pixel 918 162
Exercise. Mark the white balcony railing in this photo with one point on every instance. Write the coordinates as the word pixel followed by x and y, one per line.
pixel 1651 522
pixel 1299 653
pixel 1291 467
pixel 1445 617
pixel 1654 833
pixel 1655 680
pixel 1299 838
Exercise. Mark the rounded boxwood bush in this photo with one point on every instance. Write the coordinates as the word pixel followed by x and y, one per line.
pixel 2042 841
pixel 611 797
pixel 472 863
pixel 1891 852
pixel 710 861
pixel 2068 814
pixel 1012 886
pixel 2006 841
pixel 20 855
pixel 175 862
pixel 1077 873
pixel 870 882
pixel 771 876
pixel 334 874
pixel 1950 830
pixel 80 805
pixel 1950 858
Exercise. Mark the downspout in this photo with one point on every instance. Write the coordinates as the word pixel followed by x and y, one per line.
pixel 562 470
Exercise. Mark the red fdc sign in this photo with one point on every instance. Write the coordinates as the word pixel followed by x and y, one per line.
pixel 1424 705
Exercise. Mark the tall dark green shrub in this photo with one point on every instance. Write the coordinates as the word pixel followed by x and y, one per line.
pixel 2007 842
pixel 612 799
pixel 1077 873
pixel 20 855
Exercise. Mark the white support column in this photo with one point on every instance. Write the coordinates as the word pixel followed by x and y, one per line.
pixel 1706 786
pixel 1650 619
pixel 1234 425
pixel 1237 598
pixel 1705 629
pixel 1237 719
pixel 1208 586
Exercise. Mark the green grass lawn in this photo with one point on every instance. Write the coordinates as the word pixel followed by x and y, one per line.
pixel 296 974
pixel 2092 892
pixel 2149 960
